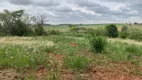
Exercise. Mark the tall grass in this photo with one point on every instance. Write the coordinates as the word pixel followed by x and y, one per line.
pixel 76 62
pixel 97 43
pixel 25 54
pixel 118 51
pixel 135 33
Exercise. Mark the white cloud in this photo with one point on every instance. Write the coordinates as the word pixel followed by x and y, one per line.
pixel 79 11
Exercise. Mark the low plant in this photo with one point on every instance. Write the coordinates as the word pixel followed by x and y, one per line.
pixel 98 43
pixel 133 51
pixel 76 62
pixel 99 32
pixel 73 28
pixel 124 32
pixel 53 32
pixel 21 57
pixel 135 33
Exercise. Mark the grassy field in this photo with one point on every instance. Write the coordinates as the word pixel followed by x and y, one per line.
pixel 65 28
pixel 69 56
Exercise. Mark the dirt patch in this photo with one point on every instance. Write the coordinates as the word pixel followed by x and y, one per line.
pixel 73 44
pixel 57 57
pixel 9 74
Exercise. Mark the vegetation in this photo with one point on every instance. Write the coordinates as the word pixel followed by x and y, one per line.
pixel 124 32
pixel 111 31
pixel 73 28
pixel 135 33
pixel 98 43
pixel 12 24
pixel 60 52
pixel 76 62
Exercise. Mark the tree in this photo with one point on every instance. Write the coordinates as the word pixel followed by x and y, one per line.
pixel 39 22
pixel 12 24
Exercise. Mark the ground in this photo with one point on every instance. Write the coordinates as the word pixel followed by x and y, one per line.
pixel 69 57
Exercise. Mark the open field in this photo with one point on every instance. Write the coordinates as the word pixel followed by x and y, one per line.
pixel 70 40
pixel 68 56
pixel 66 27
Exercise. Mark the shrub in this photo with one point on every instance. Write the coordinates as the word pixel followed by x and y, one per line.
pixel 21 29
pixel 39 30
pixel 73 28
pixel 135 33
pixel 53 32
pixel 111 30
pixel 133 51
pixel 98 32
pixel 124 32
pixel 39 22
pixel 76 62
pixel 98 43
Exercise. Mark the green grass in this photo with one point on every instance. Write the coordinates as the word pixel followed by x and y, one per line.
pixel 31 53
pixel 77 62
pixel 65 28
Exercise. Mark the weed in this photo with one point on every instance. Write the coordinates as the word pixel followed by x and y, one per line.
pixel 76 62
pixel 98 43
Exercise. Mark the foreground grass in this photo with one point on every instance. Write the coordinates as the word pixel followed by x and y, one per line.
pixel 63 55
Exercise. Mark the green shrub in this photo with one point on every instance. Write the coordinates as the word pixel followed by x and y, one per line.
pixel 133 51
pixel 39 30
pixel 124 32
pixel 111 31
pixel 73 28
pixel 135 33
pixel 21 29
pixel 98 43
pixel 76 62
pixel 124 29
pixel 53 32
pixel 98 32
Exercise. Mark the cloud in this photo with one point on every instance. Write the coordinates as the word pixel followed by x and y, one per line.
pixel 79 11
pixel 20 2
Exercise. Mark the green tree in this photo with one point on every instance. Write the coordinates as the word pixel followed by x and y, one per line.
pixel 12 24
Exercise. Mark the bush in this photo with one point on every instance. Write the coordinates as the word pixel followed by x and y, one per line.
pixel 135 33
pixel 76 62
pixel 98 43
pixel 124 32
pixel 98 32
pixel 111 31
pixel 73 28
pixel 39 30
pixel 133 51
pixel 21 29
pixel 53 32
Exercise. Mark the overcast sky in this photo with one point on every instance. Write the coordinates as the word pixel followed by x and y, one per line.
pixel 80 11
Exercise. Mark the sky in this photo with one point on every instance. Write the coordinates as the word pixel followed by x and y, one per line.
pixel 79 11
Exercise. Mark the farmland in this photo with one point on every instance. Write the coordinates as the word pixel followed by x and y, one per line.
pixel 68 55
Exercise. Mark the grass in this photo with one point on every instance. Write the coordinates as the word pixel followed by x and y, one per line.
pixel 76 62
pixel 65 28
pixel 71 55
